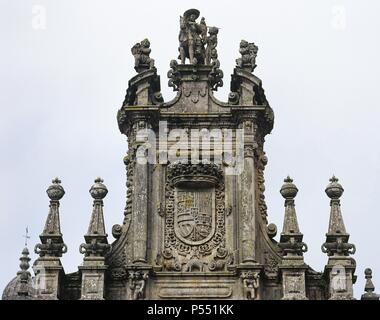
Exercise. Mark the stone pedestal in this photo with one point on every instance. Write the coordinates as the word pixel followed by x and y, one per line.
pixel 48 274
pixel 92 270
pixel 340 273
pixel 293 279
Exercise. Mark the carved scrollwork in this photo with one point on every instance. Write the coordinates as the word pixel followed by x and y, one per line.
pixel 179 172
pixel 233 97
pixel 293 247
pixel 338 247
pixel 118 273
pixel 157 98
pixel 195 94
pixel 121 118
pixel 94 248
pixel 221 259
pixel 116 231
pixel 271 230
pixel 249 151
pixel 50 248
pixel 168 261
pixel 270 265
pixel 117 270
pixel 262 161
pixel 129 161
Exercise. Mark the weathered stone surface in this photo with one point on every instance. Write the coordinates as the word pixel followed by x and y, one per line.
pixel 369 287
pixel 95 248
pixel 229 250
pixel 340 267
pixel 21 287
pixel 195 223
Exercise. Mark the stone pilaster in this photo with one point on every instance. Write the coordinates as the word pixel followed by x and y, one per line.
pixel 246 187
pixel 140 202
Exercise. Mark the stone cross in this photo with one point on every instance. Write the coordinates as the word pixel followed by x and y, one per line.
pixel 26 236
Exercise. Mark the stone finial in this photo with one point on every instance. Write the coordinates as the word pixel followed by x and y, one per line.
pixel 21 287
pixel 24 274
pixel 24 265
pixel 96 237
pixel 292 266
pixel 336 238
pixel 52 244
pixel 25 277
pixel 291 237
pixel 289 192
pixel 55 191
pixel 289 189
pixel 98 191
pixel 334 190
pixel 369 287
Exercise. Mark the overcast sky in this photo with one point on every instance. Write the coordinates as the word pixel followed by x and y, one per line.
pixel 64 77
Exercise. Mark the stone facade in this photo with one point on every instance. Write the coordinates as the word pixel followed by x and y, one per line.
pixel 195 228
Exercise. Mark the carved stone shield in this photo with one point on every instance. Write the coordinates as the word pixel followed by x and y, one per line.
pixel 194 217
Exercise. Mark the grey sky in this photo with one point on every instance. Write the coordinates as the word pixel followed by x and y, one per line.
pixel 61 87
